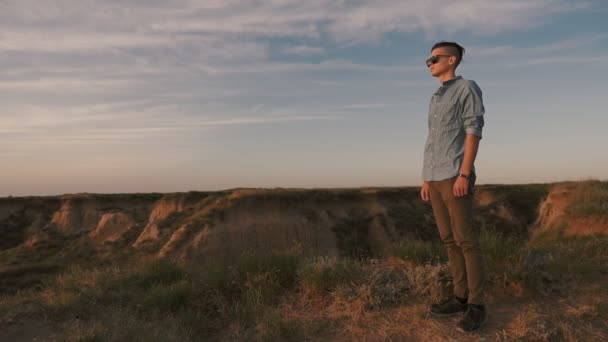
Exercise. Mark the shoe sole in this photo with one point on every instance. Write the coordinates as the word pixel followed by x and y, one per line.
pixel 446 314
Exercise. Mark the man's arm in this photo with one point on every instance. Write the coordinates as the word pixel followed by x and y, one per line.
pixel 473 122
pixel 471 145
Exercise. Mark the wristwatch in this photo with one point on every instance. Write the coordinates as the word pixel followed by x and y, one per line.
pixel 463 175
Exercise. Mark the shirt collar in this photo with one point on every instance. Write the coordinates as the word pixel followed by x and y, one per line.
pixel 443 88
pixel 452 80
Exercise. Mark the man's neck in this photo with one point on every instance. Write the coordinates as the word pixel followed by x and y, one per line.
pixel 446 77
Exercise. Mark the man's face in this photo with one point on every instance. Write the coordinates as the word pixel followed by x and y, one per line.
pixel 444 61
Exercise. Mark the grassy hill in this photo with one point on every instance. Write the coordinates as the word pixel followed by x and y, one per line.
pixel 297 264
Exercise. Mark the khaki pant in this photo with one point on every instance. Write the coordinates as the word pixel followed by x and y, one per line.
pixel 454 217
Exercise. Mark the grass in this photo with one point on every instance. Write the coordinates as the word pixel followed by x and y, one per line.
pixel 419 251
pixel 245 298
pixel 352 236
pixel 143 292
pixel 504 255
pixel 325 274
pixel 577 258
pixel 282 296
pixel 589 198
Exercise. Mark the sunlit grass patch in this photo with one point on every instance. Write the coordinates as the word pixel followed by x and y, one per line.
pixel 589 198
pixel 326 273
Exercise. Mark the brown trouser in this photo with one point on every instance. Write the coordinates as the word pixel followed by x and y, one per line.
pixel 454 216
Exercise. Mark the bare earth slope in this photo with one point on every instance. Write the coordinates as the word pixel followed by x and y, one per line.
pixel 320 221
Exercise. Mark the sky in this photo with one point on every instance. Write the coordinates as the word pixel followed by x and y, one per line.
pixel 176 95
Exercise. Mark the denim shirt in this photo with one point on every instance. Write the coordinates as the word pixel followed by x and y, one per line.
pixel 456 109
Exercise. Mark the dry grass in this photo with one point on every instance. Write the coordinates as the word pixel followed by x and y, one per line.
pixel 589 198
pixel 284 297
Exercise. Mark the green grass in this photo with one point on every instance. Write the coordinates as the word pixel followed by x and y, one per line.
pixel 148 291
pixel 246 286
pixel 574 257
pixel 503 255
pixel 419 251
pixel 324 274
pixel 543 265
pixel 228 275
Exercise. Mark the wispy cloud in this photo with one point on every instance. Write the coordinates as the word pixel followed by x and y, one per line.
pixel 66 84
pixel 304 50
pixel 569 50
pixel 218 37
pixel 568 44
pixel 91 25
pixel 561 60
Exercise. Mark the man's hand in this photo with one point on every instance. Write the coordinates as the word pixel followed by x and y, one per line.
pixel 424 192
pixel 461 187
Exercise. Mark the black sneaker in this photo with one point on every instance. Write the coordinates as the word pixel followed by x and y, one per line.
pixel 473 318
pixel 449 307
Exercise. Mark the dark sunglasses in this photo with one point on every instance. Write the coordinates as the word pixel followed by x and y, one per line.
pixel 434 59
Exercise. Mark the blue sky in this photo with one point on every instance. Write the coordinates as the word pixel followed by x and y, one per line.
pixel 177 95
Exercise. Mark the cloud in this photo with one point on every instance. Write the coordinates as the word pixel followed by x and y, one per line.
pixel 88 24
pixel 563 45
pixel 67 41
pixel 215 37
pixel 576 49
pixel 561 60
pixel 326 65
pixel 303 50
pixel 66 84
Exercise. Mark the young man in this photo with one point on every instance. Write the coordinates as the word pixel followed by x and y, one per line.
pixel 455 122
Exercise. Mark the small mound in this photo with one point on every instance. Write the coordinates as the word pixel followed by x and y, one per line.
pixel 575 209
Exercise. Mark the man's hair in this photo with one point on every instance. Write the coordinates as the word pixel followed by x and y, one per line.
pixel 456 49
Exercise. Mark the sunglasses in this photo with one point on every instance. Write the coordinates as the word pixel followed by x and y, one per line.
pixel 434 59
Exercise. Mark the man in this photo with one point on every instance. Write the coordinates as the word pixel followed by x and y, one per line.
pixel 455 122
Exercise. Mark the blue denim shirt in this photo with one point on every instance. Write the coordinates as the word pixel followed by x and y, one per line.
pixel 456 109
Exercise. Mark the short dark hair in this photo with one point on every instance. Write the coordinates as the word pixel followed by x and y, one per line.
pixel 452 45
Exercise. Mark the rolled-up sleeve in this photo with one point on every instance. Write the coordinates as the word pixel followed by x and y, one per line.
pixel 472 109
